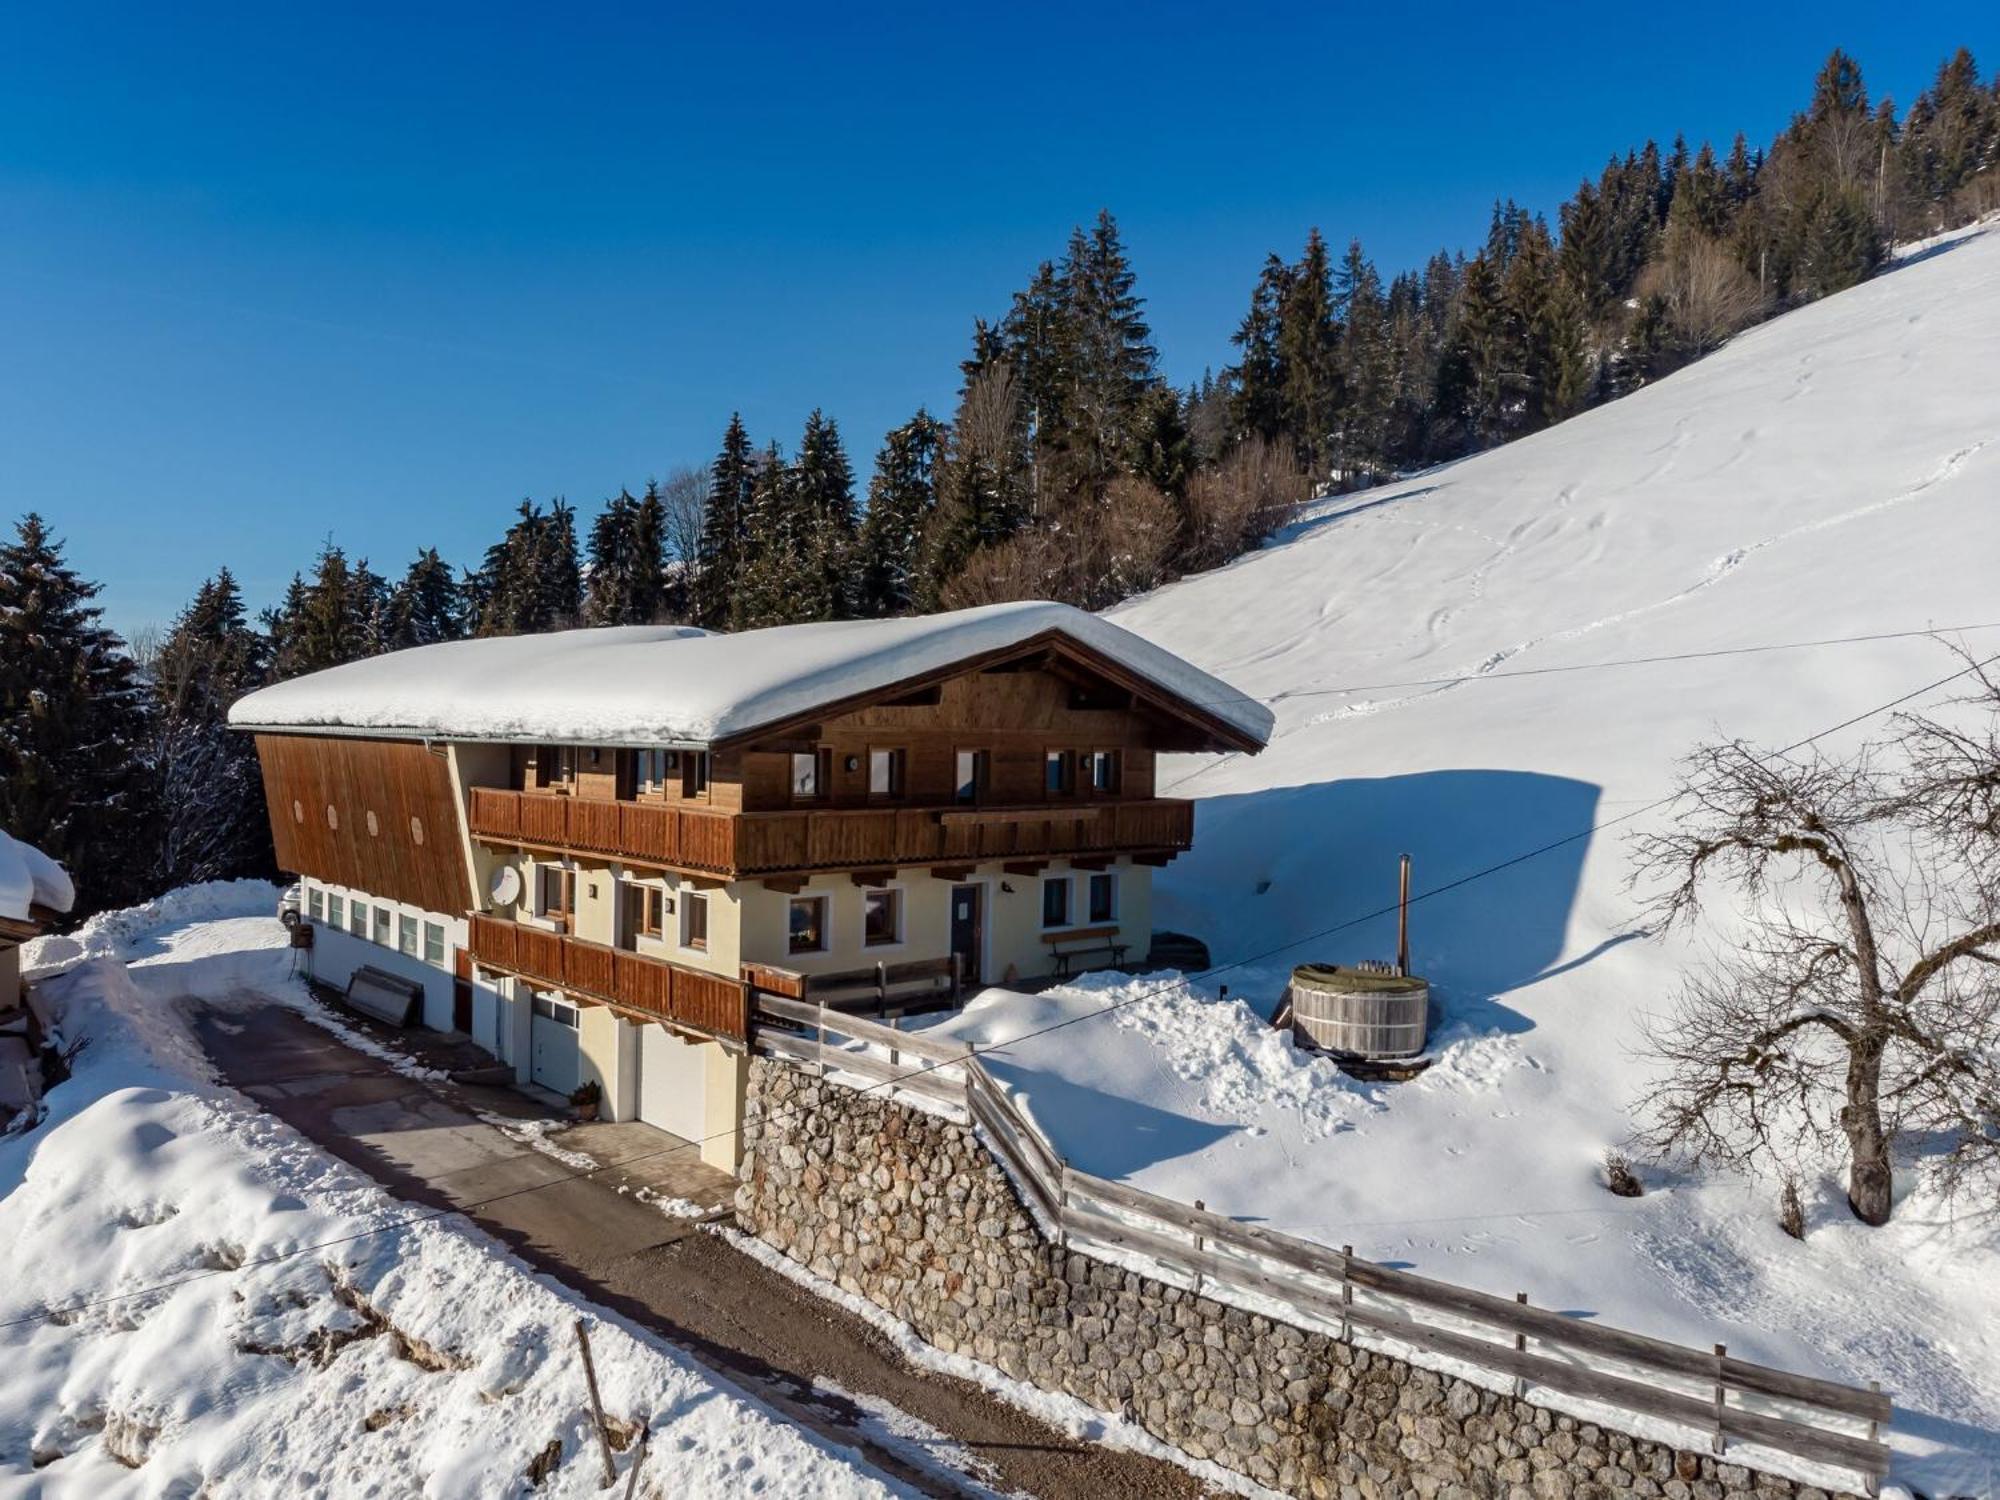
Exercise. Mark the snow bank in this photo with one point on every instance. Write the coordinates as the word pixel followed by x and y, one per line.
pixel 29 878
pixel 310 1340
pixel 650 685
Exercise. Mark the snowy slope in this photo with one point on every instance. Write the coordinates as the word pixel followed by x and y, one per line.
pixel 144 1174
pixel 1833 473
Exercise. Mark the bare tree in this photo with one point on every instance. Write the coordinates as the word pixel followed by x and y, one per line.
pixel 1863 1005
pixel 1235 505
pixel 684 495
pixel 1709 295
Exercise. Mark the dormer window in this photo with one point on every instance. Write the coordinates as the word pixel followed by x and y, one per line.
pixel 809 775
pixel 973 773
pixel 1058 773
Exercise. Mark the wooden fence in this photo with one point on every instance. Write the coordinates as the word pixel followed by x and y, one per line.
pixel 1315 1286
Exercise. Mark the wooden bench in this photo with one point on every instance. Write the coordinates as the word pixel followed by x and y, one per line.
pixel 1080 942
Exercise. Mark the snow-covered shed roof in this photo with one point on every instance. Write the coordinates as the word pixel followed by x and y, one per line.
pixel 666 685
pixel 28 879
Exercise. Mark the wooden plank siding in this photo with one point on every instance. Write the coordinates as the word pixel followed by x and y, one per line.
pixel 648 987
pixel 733 846
pixel 375 815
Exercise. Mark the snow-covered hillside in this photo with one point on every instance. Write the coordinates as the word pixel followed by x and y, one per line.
pixel 333 1357
pixel 1833 473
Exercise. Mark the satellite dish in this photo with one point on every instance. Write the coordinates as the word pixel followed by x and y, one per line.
pixel 506 886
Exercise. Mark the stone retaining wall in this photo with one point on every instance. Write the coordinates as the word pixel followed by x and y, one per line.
pixel 911 1212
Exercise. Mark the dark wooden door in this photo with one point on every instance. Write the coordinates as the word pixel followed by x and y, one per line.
pixel 461 991
pixel 968 928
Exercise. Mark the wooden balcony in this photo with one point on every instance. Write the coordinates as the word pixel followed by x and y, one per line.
pixel 733 846
pixel 629 981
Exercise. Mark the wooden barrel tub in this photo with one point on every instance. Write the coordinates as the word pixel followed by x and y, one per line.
pixel 1360 1012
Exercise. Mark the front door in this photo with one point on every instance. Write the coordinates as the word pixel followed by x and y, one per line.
pixel 968 922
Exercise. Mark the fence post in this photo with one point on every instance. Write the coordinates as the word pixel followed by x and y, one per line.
pixel 1199 1241
pixel 1062 1203
pixel 958 979
pixel 895 1056
pixel 1721 1393
pixel 1346 1295
pixel 881 990
pixel 1521 1347
pixel 822 1039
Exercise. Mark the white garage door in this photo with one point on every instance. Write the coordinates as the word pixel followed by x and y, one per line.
pixel 555 1059
pixel 671 1074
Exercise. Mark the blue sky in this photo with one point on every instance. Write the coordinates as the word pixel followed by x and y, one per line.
pixel 273 273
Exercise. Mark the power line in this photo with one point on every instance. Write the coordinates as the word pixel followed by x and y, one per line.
pixel 1500 866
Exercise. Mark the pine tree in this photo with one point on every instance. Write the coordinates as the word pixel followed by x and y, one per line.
pixel 204 784
pixel 531 579
pixel 1109 352
pixel 772 587
pixel 902 496
pixel 725 524
pixel 428 606
pixel 1257 380
pixel 74 724
pixel 823 492
pixel 1309 356
pixel 628 579
pixel 1367 380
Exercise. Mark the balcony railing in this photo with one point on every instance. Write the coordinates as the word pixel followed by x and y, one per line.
pixel 771 843
pixel 631 981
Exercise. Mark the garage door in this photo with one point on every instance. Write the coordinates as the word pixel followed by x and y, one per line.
pixel 555 1059
pixel 671 1074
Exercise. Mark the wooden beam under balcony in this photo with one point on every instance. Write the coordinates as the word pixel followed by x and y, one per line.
pixel 996 817
pixel 871 877
pixel 1025 867
pixel 952 872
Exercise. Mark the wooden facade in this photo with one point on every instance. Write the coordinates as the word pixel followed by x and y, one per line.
pixel 734 846
pixel 649 988
pixel 373 815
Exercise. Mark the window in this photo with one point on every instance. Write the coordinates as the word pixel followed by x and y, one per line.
pixel 885 772
pixel 644 913
pixel 806 780
pixel 551 1009
pixel 357 922
pixel 555 889
pixel 406 935
pixel 385 926
pixel 808 924
pixel 1100 770
pixel 336 911
pixel 1103 899
pixel 694 773
pixel 434 943
pixel 316 904
pixel 972 767
pixel 1058 773
pixel 1055 901
pixel 694 920
pixel 881 918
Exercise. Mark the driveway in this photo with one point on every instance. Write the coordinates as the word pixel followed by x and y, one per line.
pixel 433 1142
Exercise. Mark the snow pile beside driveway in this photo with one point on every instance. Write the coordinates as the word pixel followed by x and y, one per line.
pixel 300 1346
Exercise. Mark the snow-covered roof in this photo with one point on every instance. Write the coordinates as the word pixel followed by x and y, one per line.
pixel 639 685
pixel 29 878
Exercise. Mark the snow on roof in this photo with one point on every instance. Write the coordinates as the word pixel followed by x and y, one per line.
pixel 665 684
pixel 29 878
